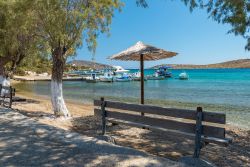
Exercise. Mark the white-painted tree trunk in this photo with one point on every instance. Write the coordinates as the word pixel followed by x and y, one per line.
pixel 59 107
pixel 1 79
pixel 4 82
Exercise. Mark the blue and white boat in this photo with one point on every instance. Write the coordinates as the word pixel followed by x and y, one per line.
pixel 123 78
pixel 164 71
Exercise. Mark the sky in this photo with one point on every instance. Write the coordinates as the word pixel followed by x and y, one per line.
pixel 167 24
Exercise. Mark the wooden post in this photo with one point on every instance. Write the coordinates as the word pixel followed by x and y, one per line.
pixel 198 133
pixel 11 96
pixel 1 99
pixel 104 114
pixel 142 79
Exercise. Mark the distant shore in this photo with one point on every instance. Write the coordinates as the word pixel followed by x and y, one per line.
pixel 241 63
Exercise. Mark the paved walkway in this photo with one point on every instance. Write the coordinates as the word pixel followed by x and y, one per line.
pixel 25 142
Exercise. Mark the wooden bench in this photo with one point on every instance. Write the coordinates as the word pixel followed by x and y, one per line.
pixel 7 92
pixel 170 120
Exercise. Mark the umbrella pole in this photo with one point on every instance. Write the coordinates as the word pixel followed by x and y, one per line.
pixel 142 79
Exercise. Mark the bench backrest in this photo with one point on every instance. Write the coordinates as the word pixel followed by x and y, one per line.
pixel 167 118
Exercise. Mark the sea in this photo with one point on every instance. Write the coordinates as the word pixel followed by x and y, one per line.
pixel 216 90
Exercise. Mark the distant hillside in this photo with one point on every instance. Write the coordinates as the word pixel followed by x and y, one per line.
pixel 88 64
pixel 241 63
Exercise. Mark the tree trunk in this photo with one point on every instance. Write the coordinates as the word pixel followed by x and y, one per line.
pixel 3 78
pixel 57 99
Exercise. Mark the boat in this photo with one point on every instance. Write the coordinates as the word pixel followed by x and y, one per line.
pixel 92 78
pixel 119 70
pixel 164 71
pixel 137 76
pixel 107 77
pixel 123 78
pixel 155 77
pixel 183 76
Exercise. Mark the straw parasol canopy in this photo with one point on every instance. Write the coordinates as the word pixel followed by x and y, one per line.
pixel 149 53
pixel 142 52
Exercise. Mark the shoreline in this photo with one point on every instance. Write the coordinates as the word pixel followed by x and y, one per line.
pixel 236 115
pixel 45 78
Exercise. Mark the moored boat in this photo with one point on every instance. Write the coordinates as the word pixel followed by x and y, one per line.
pixel 164 71
pixel 119 70
pixel 123 78
pixel 183 76
pixel 137 76
pixel 107 77
pixel 92 78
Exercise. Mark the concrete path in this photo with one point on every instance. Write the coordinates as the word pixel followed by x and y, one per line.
pixel 25 142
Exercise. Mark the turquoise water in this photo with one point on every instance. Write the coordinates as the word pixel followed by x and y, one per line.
pixel 220 90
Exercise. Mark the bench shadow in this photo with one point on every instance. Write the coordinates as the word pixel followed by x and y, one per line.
pixel 167 145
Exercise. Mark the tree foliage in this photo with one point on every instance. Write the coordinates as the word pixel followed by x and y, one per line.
pixel 17 33
pixel 67 23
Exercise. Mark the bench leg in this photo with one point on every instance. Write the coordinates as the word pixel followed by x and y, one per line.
pixel 11 95
pixel 104 114
pixel 198 132
pixel 10 103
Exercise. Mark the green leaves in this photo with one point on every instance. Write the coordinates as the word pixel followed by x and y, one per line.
pixel 67 23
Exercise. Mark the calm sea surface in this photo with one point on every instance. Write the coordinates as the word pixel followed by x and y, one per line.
pixel 220 90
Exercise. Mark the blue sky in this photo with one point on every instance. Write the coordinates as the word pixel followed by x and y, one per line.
pixel 169 25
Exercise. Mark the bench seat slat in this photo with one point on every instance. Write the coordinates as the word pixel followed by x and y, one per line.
pixel 165 123
pixel 180 113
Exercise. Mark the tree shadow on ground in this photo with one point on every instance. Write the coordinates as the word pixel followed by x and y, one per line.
pixel 171 146
pixel 36 114
pixel 25 142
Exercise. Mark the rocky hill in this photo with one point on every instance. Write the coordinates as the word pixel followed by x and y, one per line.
pixel 88 64
pixel 241 63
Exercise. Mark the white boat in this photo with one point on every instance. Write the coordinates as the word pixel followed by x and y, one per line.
pixel 92 78
pixel 137 76
pixel 183 76
pixel 107 77
pixel 155 77
pixel 119 70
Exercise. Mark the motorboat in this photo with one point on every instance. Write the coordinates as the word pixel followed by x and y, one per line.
pixel 92 78
pixel 119 70
pixel 123 78
pixel 183 76
pixel 164 71
pixel 107 77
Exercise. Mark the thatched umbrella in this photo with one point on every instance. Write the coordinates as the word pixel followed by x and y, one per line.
pixel 142 52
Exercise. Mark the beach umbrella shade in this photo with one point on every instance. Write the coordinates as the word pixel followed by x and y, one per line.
pixel 142 52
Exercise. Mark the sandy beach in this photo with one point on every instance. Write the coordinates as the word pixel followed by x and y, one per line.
pixel 83 121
